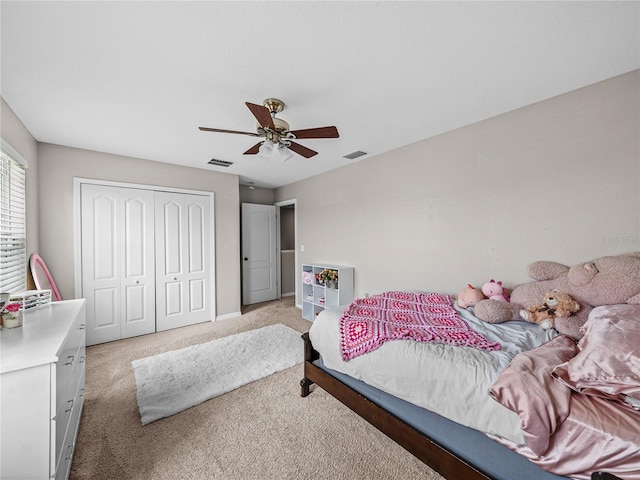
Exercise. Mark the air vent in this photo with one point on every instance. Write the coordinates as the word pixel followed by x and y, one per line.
pixel 220 163
pixel 354 155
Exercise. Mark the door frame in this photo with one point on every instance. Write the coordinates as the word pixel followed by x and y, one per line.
pixel 77 231
pixel 285 203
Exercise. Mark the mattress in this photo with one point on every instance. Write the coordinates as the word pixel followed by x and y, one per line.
pixel 452 381
pixel 474 447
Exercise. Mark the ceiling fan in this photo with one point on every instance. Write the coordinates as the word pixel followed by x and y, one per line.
pixel 278 136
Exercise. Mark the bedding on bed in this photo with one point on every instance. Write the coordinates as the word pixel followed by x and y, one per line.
pixel 453 381
pixel 574 400
pixel 368 322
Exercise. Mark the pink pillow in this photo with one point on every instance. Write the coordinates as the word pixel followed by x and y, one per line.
pixel 608 362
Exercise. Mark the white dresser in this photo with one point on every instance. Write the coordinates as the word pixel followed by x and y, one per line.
pixel 42 391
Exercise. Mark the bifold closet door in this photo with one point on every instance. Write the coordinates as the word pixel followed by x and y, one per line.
pixel 183 259
pixel 118 263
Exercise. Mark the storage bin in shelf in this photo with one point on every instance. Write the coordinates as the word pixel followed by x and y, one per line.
pixel 318 294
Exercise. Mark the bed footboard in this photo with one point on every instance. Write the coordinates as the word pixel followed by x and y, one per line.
pixel 428 451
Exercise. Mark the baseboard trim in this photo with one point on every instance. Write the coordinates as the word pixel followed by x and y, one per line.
pixel 228 315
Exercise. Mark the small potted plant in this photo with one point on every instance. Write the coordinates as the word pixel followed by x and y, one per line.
pixel 11 315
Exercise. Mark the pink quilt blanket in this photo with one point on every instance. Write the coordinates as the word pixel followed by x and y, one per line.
pixel 424 317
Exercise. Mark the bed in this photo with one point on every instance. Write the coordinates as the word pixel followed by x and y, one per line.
pixel 475 411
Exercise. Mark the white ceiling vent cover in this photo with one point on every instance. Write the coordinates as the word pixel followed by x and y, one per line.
pixel 220 163
pixel 354 155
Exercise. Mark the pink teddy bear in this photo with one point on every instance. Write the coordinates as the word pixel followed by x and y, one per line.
pixel 495 291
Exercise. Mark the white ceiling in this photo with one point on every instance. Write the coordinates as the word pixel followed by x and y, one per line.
pixel 139 78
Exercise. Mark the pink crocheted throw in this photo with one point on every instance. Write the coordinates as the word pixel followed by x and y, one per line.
pixel 424 317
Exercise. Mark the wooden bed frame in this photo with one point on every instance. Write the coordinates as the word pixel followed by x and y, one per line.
pixel 439 458
pixel 427 450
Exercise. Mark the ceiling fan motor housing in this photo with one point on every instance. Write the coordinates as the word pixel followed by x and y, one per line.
pixel 274 105
pixel 281 126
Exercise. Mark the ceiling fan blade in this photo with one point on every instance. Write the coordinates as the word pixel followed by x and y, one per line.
pixel 253 150
pixel 300 150
pixel 262 114
pixel 320 132
pixel 207 129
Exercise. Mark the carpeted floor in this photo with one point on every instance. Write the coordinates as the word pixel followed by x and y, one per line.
pixel 263 430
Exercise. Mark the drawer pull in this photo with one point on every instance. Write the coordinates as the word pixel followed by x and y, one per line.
pixel 70 406
pixel 70 358
pixel 70 450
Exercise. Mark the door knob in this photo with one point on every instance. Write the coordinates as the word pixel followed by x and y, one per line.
pixel 245 259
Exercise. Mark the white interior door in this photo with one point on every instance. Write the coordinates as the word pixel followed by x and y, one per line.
pixel 138 308
pixel 100 272
pixel 183 257
pixel 117 262
pixel 259 253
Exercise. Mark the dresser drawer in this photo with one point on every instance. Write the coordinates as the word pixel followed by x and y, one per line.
pixel 71 353
pixel 62 422
pixel 81 363
pixel 67 396
pixel 65 379
pixel 64 465
pixel 67 427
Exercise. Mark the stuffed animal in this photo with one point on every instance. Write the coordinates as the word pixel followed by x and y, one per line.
pixel 607 280
pixel 469 296
pixel 495 290
pixel 556 305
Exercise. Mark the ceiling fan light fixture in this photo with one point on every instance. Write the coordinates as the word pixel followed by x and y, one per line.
pixel 274 151
pixel 265 151
pixel 283 152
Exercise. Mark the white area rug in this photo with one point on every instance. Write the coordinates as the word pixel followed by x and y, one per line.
pixel 171 382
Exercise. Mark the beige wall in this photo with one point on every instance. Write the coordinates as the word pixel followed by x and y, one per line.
pixel 13 131
pixel 58 167
pixel 263 196
pixel 557 180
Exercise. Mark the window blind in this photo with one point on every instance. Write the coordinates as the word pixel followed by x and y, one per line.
pixel 13 245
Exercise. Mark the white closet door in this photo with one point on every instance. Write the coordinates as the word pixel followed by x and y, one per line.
pixel 138 309
pixel 100 273
pixel 117 262
pixel 183 246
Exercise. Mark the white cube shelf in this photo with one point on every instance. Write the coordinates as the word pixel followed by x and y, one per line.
pixel 318 295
